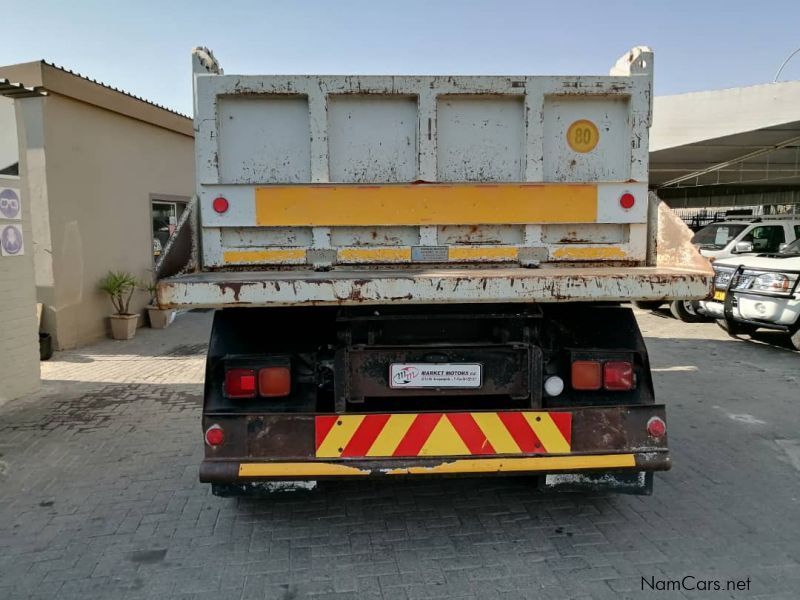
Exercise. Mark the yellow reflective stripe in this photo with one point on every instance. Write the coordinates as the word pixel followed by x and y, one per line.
pixel 474 465
pixel 504 465
pixel 321 205
pixel 264 256
pixel 301 469
pixel 496 433
pixel 391 434
pixel 444 441
pixel 375 254
pixel 547 432
pixel 589 253
pixel 338 436
pixel 495 253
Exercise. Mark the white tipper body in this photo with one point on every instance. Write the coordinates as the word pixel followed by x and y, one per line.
pixel 385 183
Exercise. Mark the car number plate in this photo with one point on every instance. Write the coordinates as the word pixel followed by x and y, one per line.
pixel 435 375
pixel 719 296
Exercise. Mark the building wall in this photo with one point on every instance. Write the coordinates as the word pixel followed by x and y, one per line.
pixel 102 169
pixel 19 340
pixel 9 148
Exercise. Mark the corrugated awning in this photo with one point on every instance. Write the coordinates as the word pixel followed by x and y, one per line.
pixel 769 156
pixel 747 137
pixel 17 90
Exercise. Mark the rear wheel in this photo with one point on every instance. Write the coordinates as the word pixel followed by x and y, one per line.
pixel 647 304
pixel 684 310
pixel 735 329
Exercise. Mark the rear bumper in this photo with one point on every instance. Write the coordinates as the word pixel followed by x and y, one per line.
pixel 288 447
pixel 240 472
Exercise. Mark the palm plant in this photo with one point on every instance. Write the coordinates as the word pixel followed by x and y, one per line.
pixel 120 287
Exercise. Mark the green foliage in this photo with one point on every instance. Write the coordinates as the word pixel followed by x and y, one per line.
pixel 149 286
pixel 120 287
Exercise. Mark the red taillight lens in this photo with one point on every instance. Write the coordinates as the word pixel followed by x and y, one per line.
pixel 627 200
pixel 220 204
pixel 617 376
pixel 656 427
pixel 215 435
pixel 274 381
pixel 587 375
pixel 240 383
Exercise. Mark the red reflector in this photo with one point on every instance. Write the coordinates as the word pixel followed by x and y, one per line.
pixel 627 201
pixel 240 383
pixel 220 204
pixel 618 376
pixel 656 427
pixel 215 435
pixel 587 375
pixel 274 381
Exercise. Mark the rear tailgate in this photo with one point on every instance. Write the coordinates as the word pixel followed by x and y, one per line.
pixel 349 170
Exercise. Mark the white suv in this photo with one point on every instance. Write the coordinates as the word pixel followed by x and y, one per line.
pixel 728 238
pixel 751 292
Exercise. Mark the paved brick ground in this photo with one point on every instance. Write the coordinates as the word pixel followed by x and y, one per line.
pixel 99 495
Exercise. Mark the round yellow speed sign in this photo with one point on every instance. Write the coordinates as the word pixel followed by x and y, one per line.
pixel 582 136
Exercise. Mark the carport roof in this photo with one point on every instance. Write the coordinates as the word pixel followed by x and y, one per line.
pixel 746 136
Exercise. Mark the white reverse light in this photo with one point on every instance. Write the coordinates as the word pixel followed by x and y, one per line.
pixel 554 385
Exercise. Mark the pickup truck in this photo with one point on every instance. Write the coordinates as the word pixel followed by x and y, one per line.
pixel 423 276
pixel 730 238
pixel 758 291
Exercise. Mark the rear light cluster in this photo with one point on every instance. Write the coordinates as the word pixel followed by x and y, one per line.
pixel 268 382
pixel 611 375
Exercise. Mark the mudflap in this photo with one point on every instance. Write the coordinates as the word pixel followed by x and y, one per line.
pixel 636 484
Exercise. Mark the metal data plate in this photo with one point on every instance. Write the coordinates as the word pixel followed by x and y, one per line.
pixel 433 254
pixel 435 375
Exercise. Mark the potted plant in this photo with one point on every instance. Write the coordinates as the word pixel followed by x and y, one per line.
pixel 120 287
pixel 160 318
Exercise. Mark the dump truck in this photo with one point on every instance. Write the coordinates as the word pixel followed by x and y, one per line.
pixel 427 275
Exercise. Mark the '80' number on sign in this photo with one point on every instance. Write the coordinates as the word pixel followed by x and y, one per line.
pixel 582 136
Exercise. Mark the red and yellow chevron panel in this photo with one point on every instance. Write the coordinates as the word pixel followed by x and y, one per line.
pixel 443 434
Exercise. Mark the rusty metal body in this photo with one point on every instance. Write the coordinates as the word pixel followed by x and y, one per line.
pixel 433 285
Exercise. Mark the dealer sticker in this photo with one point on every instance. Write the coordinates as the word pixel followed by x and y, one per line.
pixel 435 375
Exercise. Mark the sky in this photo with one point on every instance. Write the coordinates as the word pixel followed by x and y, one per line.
pixel 144 46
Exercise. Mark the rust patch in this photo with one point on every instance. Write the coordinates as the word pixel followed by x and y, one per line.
pixel 234 286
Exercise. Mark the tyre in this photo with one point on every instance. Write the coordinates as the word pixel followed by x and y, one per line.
pixel 684 310
pixel 647 304
pixel 735 329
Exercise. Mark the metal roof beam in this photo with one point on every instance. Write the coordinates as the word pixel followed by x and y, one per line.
pixel 732 162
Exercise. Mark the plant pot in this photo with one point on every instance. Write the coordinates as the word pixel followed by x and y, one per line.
pixel 123 327
pixel 160 318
